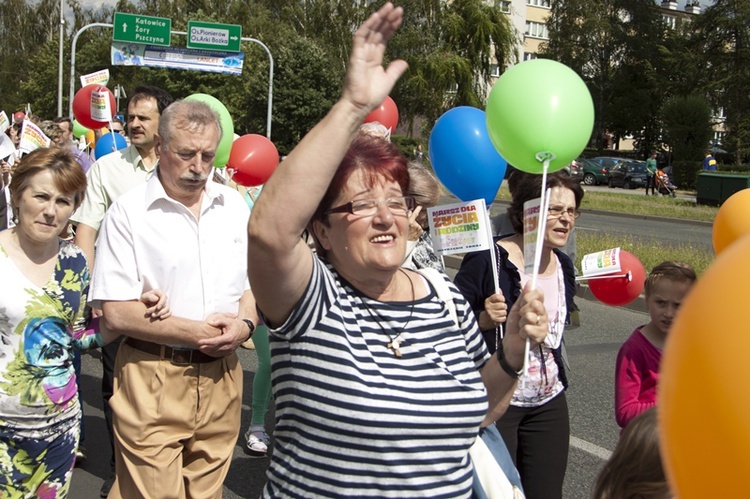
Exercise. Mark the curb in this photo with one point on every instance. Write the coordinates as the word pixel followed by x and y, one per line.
pixel 584 292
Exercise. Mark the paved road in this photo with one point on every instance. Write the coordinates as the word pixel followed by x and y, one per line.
pixel 592 349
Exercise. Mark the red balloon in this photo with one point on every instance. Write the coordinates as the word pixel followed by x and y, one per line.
pixel 621 290
pixel 386 114
pixel 252 160
pixel 18 117
pixel 82 106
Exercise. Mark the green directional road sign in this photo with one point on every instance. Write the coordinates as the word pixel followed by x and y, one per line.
pixel 214 36
pixel 136 28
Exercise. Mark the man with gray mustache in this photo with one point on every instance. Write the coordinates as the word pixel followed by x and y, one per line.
pixel 178 383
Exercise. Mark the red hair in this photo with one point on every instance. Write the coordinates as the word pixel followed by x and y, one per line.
pixel 376 158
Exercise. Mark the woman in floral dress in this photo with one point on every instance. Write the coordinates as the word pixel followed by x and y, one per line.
pixel 42 300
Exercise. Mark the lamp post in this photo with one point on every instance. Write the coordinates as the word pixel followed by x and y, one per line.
pixel 60 64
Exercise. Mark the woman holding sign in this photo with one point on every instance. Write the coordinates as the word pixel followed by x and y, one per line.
pixel 379 382
pixel 535 427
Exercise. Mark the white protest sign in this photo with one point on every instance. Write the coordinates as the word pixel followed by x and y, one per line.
pixel 4 122
pixel 100 110
pixel 32 138
pixel 459 227
pixel 100 77
pixel 533 215
pixel 601 263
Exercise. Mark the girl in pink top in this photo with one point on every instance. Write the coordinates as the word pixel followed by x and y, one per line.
pixel 637 368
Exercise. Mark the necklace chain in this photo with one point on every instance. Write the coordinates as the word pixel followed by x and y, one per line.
pixel 395 342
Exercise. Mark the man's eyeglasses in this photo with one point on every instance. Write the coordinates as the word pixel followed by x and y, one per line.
pixel 368 207
pixel 558 211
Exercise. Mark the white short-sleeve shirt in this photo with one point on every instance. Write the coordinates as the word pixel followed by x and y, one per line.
pixel 109 178
pixel 150 241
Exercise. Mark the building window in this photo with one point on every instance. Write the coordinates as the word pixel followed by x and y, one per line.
pixel 539 3
pixel 528 56
pixel 453 89
pixel 718 138
pixel 536 30
pixel 718 114
pixel 495 71
pixel 503 5
pixel 670 21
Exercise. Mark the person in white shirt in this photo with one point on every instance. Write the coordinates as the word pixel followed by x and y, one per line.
pixel 178 382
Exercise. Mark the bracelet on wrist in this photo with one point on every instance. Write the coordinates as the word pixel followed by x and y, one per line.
pixel 506 367
pixel 251 326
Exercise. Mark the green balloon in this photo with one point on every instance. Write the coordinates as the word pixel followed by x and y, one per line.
pixel 227 127
pixel 536 109
pixel 79 130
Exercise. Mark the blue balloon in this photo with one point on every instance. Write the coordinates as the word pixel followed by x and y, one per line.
pixel 104 145
pixel 463 156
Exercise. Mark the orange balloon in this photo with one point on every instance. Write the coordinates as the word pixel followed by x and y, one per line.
pixel 732 220
pixel 703 407
pixel 90 138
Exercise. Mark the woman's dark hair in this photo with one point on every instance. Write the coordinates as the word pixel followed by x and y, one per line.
pixel 526 186
pixel 377 159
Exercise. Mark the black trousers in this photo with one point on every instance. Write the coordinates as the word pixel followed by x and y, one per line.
pixel 109 354
pixel 651 182
pixel 538 439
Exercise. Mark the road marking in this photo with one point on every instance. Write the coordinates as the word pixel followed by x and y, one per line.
pixel 593 449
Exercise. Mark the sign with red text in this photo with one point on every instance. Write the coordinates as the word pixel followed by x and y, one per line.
pixel 459 227
pixel 32 137
pixel 100 77
pixel 601 263
pixel 532 232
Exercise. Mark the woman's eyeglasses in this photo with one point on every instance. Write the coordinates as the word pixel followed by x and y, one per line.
pixel 369 207
pixel 558 211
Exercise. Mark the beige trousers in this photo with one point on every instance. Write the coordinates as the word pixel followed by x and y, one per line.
pixel 175 426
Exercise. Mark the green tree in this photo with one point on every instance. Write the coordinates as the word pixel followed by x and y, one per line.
pixel 687 130
pixel 723 35
pixel 613 46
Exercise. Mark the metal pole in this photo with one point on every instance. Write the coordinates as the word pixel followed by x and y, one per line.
pixel 73 61
pixel 270 83
pixel 60 64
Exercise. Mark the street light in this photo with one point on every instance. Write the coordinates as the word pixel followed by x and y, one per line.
pixel 60 64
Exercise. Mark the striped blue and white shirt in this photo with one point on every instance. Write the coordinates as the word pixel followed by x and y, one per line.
pixel 354 420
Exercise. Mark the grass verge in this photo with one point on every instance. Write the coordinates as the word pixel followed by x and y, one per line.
pixel 640 205
pixel 650 253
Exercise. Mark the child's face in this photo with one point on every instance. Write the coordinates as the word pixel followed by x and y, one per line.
pixel 664 300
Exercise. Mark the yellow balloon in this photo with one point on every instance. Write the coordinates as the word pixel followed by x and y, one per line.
pixel 732 220
pixel 703 407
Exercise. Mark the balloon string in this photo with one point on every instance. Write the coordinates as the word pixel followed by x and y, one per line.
pixel 493 260
pixel 540 229
pixel 114 142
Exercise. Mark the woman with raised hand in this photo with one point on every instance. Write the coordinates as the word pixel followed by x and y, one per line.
pixel 379 383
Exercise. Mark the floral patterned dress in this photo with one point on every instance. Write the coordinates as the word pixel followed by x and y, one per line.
pixel 39 410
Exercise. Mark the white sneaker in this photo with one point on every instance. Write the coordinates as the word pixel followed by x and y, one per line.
pixel 257 443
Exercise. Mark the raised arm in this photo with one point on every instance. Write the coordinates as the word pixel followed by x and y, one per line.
pixel 279 261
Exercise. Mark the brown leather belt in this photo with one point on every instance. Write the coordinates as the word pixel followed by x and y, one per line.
pixel 178 356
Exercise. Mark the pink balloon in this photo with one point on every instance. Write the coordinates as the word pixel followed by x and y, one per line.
pixel 621 290
pixel 386 114
pixel 252 160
